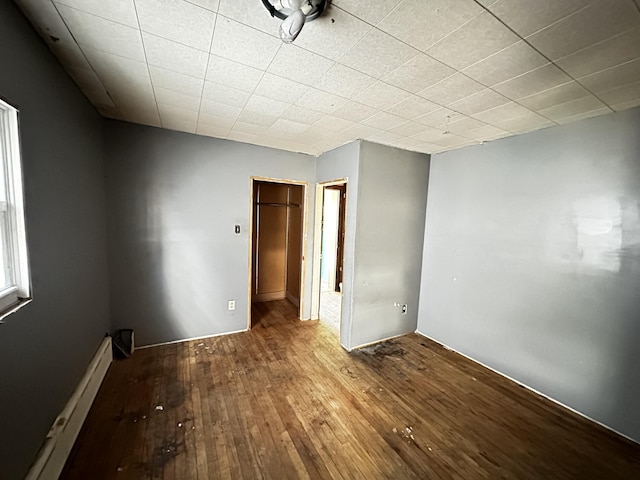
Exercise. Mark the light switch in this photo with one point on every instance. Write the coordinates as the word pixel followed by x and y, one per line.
pixel 237 230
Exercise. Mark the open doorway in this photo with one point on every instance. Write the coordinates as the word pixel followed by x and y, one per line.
pixel 277 246
pixel 332 254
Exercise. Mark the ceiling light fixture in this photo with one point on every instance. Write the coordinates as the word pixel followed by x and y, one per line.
pixel 294 14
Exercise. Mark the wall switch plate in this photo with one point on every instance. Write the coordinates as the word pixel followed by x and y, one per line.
pixel 404 309
pixel 232 305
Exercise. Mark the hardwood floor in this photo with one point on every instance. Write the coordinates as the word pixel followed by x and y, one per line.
pixel 286 401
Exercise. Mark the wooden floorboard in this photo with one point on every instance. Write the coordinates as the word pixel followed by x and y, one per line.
pixel 285 401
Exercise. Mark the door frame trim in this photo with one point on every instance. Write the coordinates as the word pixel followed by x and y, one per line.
pixel 317 242
pixel 305 215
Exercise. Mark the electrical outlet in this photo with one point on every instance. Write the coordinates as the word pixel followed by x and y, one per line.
pixel 404 309
pixel 232 305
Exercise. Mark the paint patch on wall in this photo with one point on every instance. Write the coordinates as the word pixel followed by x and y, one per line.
pixel 598 222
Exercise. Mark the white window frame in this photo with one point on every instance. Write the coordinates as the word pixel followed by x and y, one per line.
pixel 15 255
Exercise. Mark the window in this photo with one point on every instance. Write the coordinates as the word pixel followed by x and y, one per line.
pixel 15 286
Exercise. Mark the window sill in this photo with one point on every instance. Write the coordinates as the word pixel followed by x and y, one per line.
pixel 13 308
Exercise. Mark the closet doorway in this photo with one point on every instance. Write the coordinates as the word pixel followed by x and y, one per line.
pixel 277 243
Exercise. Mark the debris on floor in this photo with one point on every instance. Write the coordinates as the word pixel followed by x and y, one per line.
pixel 159 408
pixel 388 348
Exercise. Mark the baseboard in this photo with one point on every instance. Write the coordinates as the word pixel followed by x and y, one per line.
pixel 294 300
pixel 376 341
pixel 551 399
pixel 60 439
pixel 267 297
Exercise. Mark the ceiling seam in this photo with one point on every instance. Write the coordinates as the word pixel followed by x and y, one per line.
pixel 55 7
pixel 545 56
pixel 146 61
pixel 206 70
pixel 445 64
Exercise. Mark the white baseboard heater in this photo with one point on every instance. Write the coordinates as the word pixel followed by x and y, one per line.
pixel 60 439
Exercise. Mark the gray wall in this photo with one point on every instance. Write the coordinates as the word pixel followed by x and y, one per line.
pixel 337 164
pixel 392 195
pixel 532 262
pixel 46 346
pixel 174 199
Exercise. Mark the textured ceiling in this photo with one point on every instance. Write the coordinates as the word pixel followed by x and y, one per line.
pixel 423 75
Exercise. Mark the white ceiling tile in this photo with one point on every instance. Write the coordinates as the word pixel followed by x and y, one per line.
pixel 474 41
pixel 583 116
pixel 453 140
pixel 573 108
pixel 250 13
pixel 429 134
pixel 486 133
pixel 208 4
pixel 170 80
pixel 533 82
pixel 219 109
pixel 439 118
pixel 418 73
pixel 241 137
pixel 177 122
pixel 120 11
pixel 422 24
pixel 408 129
pixel 88 81
pixel 176 99
pixel 464 125
pixel 356 112
pixel 478 102
pixel 212 131
pixel 413 107
pixel 333 34
pixel 383 121
pixel 526 17
pixel 320 101
pixel 287 129
pixel 371 11
pixel 233 74
pixel 384 138
pixel 627 96
pixel 142 116
pixel 119 75
pixel 175 56
pixel 359 130
pixel 300 65
pixel 179 21
pixel 302 115
pixel 264 105
pixel 407 143
pixel 344 81
pixel 244 44
pixel 511 62
pixel 176 112
pixel 264 119
pixel 282 89
pixel 215 92
pixel 451 89
pixel 332 123
pixel 378 54
pixel 503 113
pixel 100 34
pixel 613 77
pixel 614 51
pixel 217 121
pixel 248 128
pixel 382 96
pixel 525 123
pixel 136 102
pixel 597 22
pixel 554 96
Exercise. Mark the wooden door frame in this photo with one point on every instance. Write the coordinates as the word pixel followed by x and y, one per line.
pixel 305 214
pixel 317 243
